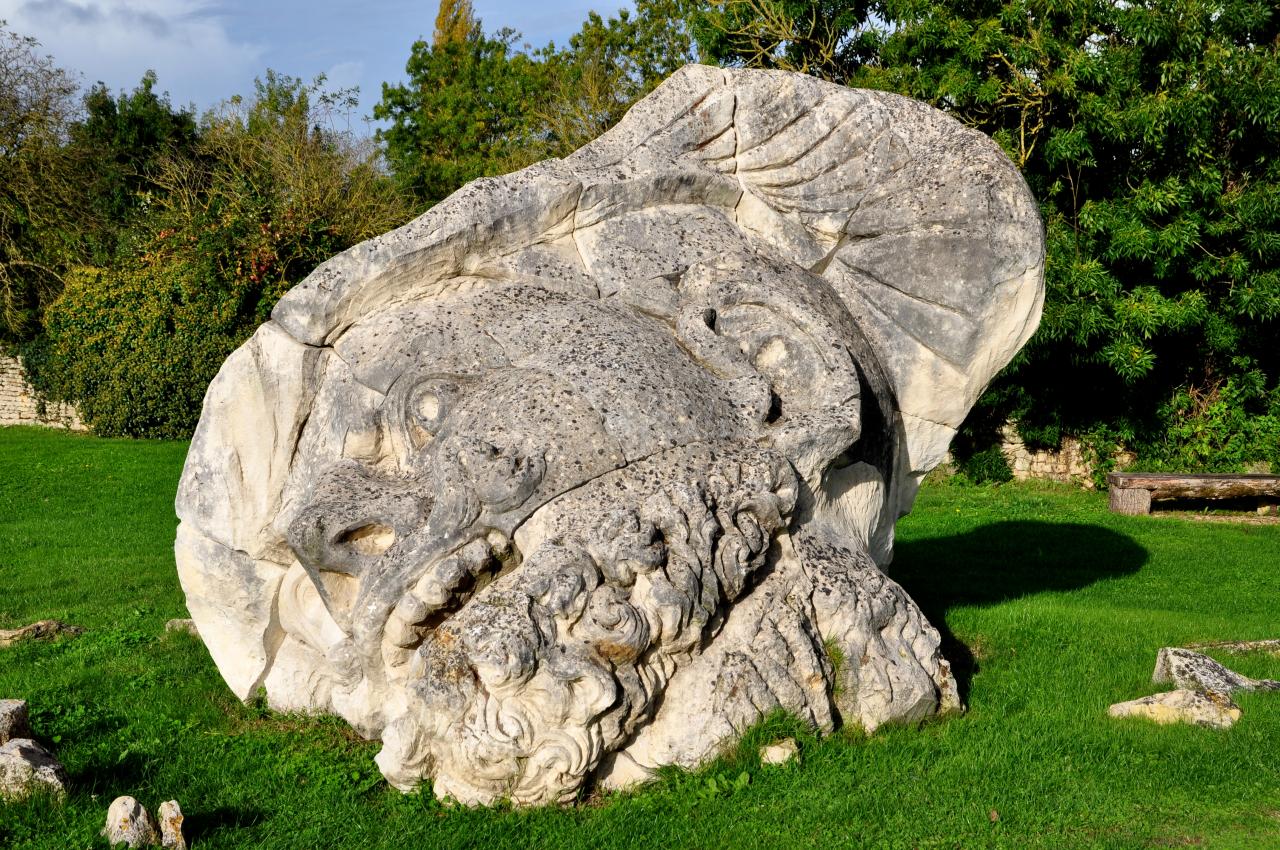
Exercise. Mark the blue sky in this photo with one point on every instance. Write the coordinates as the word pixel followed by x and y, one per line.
pixel 203 52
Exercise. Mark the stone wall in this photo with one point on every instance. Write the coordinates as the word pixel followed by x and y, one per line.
pixel 1067 464
pixel 18 404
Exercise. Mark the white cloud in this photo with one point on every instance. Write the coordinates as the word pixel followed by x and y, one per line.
pixel 344 75
pixel 186 42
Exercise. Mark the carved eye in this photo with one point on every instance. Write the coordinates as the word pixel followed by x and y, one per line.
pixel 429 404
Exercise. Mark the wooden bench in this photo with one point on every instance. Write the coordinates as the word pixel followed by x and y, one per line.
pixel 1133 492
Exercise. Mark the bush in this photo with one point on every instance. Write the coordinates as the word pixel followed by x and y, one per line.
pixel 987 466
pixel 1231 427
pixel 135 348
pixel 269 195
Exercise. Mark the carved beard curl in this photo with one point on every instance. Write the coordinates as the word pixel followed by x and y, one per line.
pixel 522 693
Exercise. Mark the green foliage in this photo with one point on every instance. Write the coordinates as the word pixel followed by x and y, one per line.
pixel 608 66
pixel 135 348
pixel 985 466
pixel 37 107
pixel 461 114
pixel 1148 131
pixel 831 39
pixel 1224 428
pixel 478 106
pixel 119 146
pixel 268 194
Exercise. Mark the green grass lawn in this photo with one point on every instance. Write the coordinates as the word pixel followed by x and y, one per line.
pixel 1052 608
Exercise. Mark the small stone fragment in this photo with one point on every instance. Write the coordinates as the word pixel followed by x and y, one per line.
pixel 42 630
pixel 170 816
pixel 1182 706
pixel 13 720
pixel 779 753
pixel 25 766
pixel 182 625
pixel 1192 671
pixel 1271 645
pixel 130 824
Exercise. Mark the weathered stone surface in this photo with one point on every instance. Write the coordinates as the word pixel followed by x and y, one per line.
pixel 26 767
pixel 41 630
pixel 779 752
pixel 170 817
pixel 1182 706
pixel 13 720
pixel 1271 645
pixel 595 464
pixel 1190 670
pixel 130 824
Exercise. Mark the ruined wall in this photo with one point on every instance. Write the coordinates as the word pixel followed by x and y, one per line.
pixel 1067 464
pixel 19 406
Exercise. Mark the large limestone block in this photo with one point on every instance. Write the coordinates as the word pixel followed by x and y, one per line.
pixel 27 768
pixel 594 465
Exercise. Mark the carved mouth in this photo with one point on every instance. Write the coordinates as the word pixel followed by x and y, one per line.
pixel 444 589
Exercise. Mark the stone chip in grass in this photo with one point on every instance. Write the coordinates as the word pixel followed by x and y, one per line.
pixel 182 625
pixel 42 630
pixel 1182 706
pixel 779 752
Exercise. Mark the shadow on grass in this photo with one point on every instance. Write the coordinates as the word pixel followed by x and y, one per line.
pixel 200 826
pixel 1004 561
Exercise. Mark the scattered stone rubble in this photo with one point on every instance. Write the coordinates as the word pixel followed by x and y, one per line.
pixel 779 752
pixel 25 766
pixel 42 630
pixel 182 625
pixel 129 823
pixel 171 826
pixel 13 720
pixel 1182 706
pixel 1203 689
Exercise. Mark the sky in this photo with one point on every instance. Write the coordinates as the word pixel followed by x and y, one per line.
pixel 204 52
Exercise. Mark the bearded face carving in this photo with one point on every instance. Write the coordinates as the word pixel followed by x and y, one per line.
pixel 594 465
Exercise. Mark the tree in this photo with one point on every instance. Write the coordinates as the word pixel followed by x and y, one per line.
pixel 1148 131
pixel 37 107
pixel 478 106
pixel 462 115
pixel 830 39
pixel 118 148
pixel 455 23
pixel 271 189
pixel 608 66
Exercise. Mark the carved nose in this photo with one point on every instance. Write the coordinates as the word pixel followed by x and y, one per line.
pixel 353 518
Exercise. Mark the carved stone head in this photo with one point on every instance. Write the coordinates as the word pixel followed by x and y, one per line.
pixel 593 465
